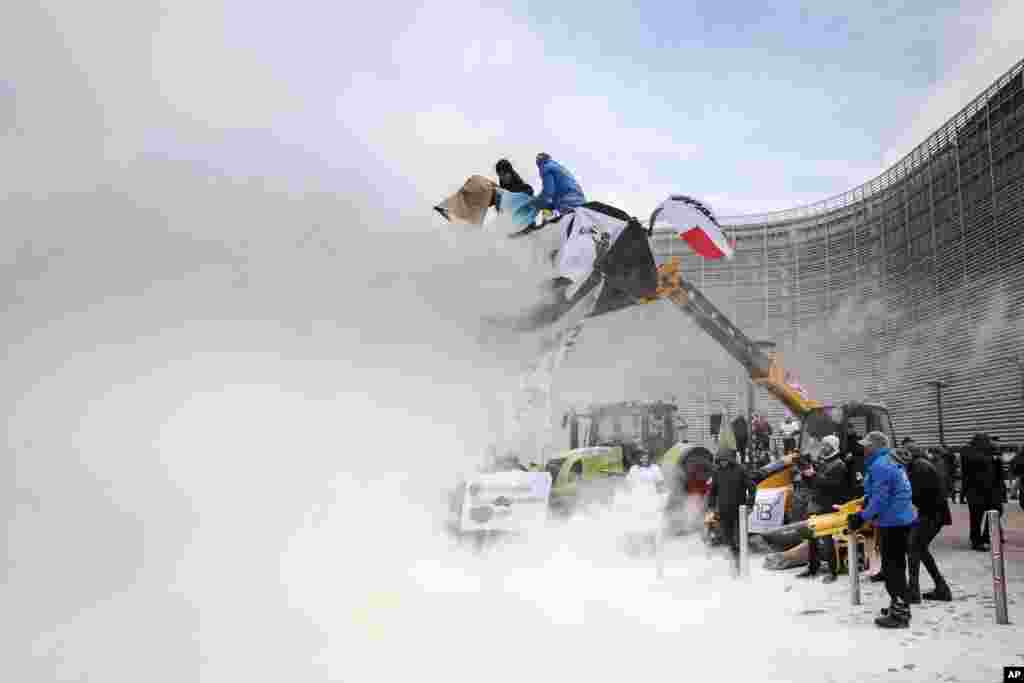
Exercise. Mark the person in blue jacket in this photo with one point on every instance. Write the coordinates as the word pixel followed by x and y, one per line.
pixel 561 192
pixel 887 503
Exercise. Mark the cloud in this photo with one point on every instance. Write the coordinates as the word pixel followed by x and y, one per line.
pixel 980 44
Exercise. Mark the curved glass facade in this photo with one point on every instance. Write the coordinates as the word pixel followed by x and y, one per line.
pixel 914 277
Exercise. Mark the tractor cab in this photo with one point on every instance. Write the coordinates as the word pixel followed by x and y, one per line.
pixel 626 425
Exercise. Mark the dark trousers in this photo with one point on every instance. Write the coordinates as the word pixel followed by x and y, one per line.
pixel 921 536
pixel 730 527
pixel 894 560
pixel 977 511
pixel 830 554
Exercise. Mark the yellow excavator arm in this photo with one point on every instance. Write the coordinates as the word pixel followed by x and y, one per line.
pixel 762 364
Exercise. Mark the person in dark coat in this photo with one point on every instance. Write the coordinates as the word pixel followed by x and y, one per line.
pixel 742 434
pixel 982 486
pixel 855 462
pixel 1017 470
pixel 960 477
pixel 948 461
pixel 829 486
pixel 731 487
pixel 929 497
pixel 509 180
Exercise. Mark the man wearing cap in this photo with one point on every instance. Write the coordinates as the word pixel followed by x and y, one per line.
pixel 829 487
pixel 888 504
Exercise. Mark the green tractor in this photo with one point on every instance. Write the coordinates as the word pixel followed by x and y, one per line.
pixel 653 424
pixel 603 442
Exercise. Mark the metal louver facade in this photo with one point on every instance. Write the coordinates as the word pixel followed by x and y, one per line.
pixel 915 276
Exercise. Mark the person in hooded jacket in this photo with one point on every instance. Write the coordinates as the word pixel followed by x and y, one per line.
pixel 560 192
pixel 509 180
pixel 829 487
pixel 888 504
pixel 929 497
pixel 731 487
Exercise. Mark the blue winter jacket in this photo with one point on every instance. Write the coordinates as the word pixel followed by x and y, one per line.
pixel 887 491
pixel 561 191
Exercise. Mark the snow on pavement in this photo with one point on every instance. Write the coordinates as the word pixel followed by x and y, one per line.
pixel 570 603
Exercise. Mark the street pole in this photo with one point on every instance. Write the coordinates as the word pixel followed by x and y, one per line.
pixel 744 547
pixel 853 562
pixel 995 530
pixel 939 384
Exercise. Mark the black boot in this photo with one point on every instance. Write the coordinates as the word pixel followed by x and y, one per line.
pixel 940 594
pixel 897 616
pixel 877 578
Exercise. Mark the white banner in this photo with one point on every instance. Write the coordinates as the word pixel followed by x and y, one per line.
pixel 769 510
pixel 578 251
pixel 506 501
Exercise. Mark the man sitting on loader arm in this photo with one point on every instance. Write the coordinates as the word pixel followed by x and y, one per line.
pixel 828 488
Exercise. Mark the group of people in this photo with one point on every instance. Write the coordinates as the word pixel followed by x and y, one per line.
pixel 906 497
pixel 559 189
pixel 759 433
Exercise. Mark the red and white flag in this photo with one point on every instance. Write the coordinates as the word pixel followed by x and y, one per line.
pixel 696 225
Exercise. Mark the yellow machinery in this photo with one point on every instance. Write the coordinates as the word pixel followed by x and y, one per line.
pixel 584 475
pixel 832 524
pixel 848 421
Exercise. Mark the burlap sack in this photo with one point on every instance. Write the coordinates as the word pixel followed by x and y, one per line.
pixel 470 203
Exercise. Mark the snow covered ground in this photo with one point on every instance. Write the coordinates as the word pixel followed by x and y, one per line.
pixel 579 609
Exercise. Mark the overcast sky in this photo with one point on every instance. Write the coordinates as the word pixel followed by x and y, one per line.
pixel 227 303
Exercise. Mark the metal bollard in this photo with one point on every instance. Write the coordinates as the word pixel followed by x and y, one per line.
pixel 744 547
pixel 659 557
pixel 853 565
pixel 995 531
